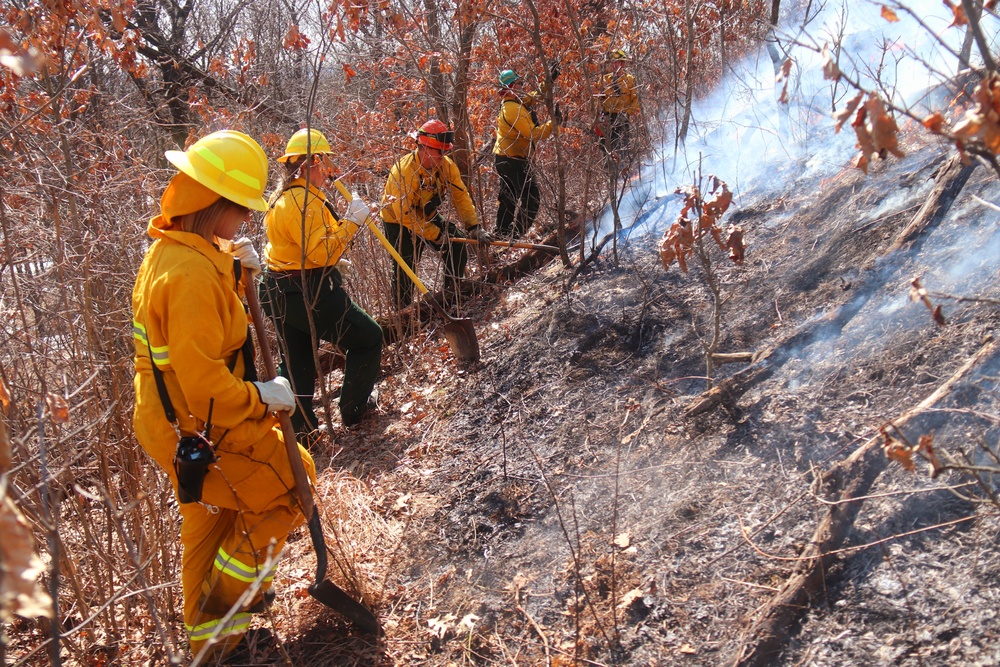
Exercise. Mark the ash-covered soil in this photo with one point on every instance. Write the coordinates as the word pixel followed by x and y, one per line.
pixel 555 504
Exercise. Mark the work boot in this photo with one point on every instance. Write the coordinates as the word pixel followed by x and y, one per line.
pixel 261 605
pixel 370 406
pixel 255 642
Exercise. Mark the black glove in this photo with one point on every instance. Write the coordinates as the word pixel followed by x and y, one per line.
pixel 431 206
pixel 557 115
pixel 555 71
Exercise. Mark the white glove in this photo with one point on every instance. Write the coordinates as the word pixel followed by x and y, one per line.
pixel 243 251
pixel 357 210
pixel 277 394
pixel 481 235
pixel 345 267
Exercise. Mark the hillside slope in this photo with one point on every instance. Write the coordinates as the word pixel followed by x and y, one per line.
pixel 559 503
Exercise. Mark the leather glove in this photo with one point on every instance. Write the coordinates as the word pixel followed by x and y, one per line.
pixel 431 206
pixel 277 394
pixel 345 267
pixel 557 115
pixel 357 210
pixel 243 251
pixel 481 235
pixel 555 71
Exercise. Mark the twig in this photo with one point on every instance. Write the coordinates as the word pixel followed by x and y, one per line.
pixel 534 624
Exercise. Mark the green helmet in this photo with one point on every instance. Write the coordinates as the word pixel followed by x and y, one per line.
pixel 508 76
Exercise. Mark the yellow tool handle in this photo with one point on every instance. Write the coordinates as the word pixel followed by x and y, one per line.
pixel 381 237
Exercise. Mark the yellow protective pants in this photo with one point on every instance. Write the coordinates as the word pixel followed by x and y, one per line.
pixel 234 538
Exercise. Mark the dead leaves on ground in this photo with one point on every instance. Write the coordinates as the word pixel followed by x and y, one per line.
pixel 679 240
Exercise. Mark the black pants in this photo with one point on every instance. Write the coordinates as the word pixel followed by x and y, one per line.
pixel 410 247
pixel 618 135
pixel 288 300
pixel 518 198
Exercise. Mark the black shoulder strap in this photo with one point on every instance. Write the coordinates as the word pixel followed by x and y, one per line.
pixel 161 388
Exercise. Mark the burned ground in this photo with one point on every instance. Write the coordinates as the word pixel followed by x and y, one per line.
pixel 558 503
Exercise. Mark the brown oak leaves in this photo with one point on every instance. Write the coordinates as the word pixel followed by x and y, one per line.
pixel 678 241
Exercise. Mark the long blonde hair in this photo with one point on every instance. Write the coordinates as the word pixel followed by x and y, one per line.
pixel 293 170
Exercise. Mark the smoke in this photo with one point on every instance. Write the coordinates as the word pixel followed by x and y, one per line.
pixel 760 147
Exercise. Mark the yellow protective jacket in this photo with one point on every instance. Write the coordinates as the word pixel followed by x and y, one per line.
pixel 517 132
pixel 323 238
pixel 410 186
pixel 186 311
pixel 619 94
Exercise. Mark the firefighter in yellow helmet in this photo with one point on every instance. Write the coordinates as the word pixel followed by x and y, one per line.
pixel 200 411
pixel 619 102
pixel 518 131
pixel 303 285
pixel 414 192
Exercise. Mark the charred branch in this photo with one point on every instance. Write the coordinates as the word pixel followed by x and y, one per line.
pixel 846 483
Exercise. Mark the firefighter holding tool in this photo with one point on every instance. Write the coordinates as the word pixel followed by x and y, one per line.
pixel 200 411
pixel 418 184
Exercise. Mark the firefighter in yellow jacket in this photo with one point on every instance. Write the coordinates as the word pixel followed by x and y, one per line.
pixel 619 102
pixel 518 131
pixel 194 367
pixel 414 192
pixel 303 287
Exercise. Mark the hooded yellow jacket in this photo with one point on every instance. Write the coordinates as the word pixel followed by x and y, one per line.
pixel 293 243
pixel 410 186
pixel 517 132
pixel 620 95
pixel 188 315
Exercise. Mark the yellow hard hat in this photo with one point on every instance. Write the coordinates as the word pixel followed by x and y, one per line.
pixel 306 142
pixel 228 163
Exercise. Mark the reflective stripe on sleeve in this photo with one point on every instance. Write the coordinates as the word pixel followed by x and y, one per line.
pixel 161 353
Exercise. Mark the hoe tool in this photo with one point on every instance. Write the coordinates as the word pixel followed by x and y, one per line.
pixel 460 332
pixel 324 590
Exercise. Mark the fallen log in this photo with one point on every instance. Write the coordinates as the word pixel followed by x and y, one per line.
pixel 720 358
pixel 404 323
pixel 950 180
pixel 847 482
pixel 528 263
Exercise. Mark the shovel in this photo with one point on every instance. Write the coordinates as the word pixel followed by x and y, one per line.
pixel 324 590
pixel 509 244
pixel 460 333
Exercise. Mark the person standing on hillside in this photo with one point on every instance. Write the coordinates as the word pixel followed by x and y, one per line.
pixel 518 131
pixel 417 186
pixel 303 284
pixel 619 102
pixel 200 411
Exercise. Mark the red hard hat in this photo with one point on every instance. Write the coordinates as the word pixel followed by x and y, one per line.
pixel 435 134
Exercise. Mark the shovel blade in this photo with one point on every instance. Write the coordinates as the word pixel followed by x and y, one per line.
pixel 334 597
pixel 461 337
